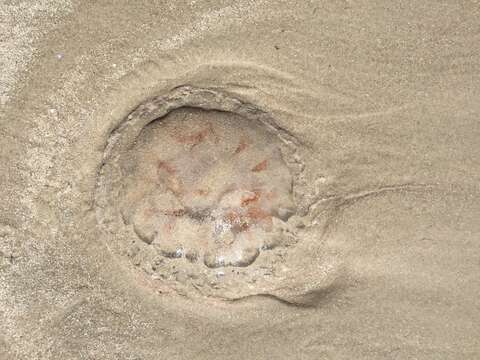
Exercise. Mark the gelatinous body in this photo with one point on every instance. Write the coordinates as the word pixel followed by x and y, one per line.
pixel 208 184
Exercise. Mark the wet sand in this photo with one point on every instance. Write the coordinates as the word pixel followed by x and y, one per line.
pixel 370 110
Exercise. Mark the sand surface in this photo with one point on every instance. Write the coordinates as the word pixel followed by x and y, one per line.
pixel 239 180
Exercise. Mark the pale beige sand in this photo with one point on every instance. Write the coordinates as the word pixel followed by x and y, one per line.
pixel 380 100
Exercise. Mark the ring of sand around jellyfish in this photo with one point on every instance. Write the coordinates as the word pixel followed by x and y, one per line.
pixel 197 189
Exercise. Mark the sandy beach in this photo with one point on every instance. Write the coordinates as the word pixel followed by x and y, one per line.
pixel 239 180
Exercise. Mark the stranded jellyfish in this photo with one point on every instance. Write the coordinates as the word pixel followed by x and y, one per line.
pixel 207 186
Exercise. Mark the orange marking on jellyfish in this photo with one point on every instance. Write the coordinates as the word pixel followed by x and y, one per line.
pixel 241 146
pixel 250 199
pixel 199 136
pixel 261 166
pixel 195 138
